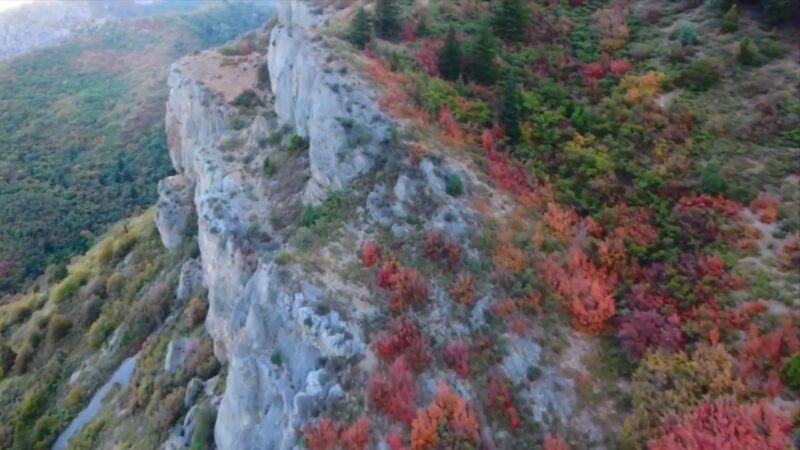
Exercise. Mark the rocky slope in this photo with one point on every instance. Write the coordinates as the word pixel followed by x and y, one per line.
pixel 295 336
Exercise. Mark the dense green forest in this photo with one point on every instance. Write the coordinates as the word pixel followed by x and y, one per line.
pixel 81 131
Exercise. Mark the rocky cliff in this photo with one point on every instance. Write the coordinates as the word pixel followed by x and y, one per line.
pixel 295 335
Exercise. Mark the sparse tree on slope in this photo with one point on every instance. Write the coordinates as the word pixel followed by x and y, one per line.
pixel 360 29
pixel 510 110
pixel 388 24
pixel 484 68
pixel 450 57
pixel 511 21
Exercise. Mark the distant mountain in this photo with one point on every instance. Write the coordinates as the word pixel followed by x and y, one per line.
pixel 82 140
pixel 42 24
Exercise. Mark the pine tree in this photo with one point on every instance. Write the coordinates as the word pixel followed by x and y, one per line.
pixel 730 21
pixel 360 29
pixel 450 57
pixel 747 54
pixel 484 69
pixel 510 110
pixel 388 24
pixel 511 21
pixel 422 29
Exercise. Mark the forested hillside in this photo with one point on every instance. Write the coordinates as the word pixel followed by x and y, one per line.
pixel 81 131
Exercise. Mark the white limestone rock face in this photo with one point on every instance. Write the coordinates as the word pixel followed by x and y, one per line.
pixel 190 280
pixel 324 101
pixel 174 210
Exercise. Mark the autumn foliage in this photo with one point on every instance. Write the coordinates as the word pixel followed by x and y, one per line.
pixel 761 357
pixel 356 436
pixel 456 354
pixel 586 291
pixel 500 400
pixel 405 286
pixel 405 338
pixel 766 206
pixel 321 435
pixel 554 442
pixel 394 391
pixel 448 422
pixel 441 248
pixel 369 254
pixel 463 289
pixel 726 425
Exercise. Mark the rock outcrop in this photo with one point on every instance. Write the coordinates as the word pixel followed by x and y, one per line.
pixel 290 342
pixel 267 324
pixel 175 209
pixel 324 100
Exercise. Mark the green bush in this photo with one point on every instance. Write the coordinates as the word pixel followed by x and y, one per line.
pixel 699 76
pixel 730 21
pixel 791 372
pixel 276 358
pixel 282 258
pixel 688 36
pixel 25 354
pixel 748 54
pixel 248 99
pixel 58 327
pixel 309 216
pixel 454 185
pixel 269 167
pixel 69 286
pixel 297 143
pixel 263 75
pixel 237 123
pixel 203 434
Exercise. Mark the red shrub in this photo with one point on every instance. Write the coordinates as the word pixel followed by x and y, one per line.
pixel 438 247
pixel 369 254
pixel 395 440
pixel 387 274
pixel 619 66
pixel 356 436
pixel 456 355
pixel 586 291
pixel 724 425
pixel 766 207
pixel 554 442
pixel 761 357
pixel 428 57
pixel 448 422
pixel 448 124
pixel 405 338
pixel 593 71
pixel 561 222
pixel 642 330
pixel 408 32
pixel 500 400
pixel 395 391
pixel 463 289
pixel 321 435
pixel 408 289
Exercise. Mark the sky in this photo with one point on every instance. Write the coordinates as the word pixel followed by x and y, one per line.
pixel 8 4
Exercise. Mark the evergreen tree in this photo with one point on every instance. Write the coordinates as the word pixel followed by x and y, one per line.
pixel 511 21
pixel 510 110
pixel 484 69
pixel 450 57
pixel 422 29
pixel 747 54
pixel 360 29
pixel 388 24
pixel 730 21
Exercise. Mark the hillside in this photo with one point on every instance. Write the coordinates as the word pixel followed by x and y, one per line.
pixel 446 225
pixel 82 132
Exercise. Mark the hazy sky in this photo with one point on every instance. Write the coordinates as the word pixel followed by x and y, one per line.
pixel 6 4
